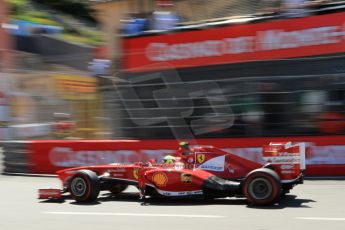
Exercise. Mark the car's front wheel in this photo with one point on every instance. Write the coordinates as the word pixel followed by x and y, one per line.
pixel 84 186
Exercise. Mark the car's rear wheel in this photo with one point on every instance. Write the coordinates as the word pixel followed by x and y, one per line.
pixel 262 187
pixel 84 186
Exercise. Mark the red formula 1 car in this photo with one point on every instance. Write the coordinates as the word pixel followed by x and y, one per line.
pixel 202 171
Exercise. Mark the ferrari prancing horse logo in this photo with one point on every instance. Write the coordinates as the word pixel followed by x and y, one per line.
pixel 200 158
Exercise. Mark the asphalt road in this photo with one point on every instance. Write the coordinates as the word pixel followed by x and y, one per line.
pixel 313 205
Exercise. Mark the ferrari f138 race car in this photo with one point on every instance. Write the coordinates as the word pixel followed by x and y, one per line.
pixel 197 171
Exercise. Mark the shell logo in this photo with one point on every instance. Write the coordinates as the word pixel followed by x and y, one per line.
pixel 160 179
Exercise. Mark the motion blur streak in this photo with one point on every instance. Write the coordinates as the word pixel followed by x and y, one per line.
pixel 321 218
pixel 134 214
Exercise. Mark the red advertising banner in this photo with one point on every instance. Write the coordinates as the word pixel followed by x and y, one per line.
pixel 325 155
pixel 277 39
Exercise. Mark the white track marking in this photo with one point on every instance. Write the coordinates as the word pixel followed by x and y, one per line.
pixel 320 218
pixel 133 214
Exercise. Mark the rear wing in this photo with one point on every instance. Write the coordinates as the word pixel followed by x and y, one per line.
pixel 287 158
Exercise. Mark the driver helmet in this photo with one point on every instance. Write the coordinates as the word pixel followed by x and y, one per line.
pixel 184 144
pixel 184 148
pixel 169 159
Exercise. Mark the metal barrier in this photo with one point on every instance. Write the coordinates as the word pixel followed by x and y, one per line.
pixel 15 157
pixel 1 159
pixel 324 155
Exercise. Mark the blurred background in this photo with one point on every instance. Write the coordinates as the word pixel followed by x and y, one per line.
pixel 69 69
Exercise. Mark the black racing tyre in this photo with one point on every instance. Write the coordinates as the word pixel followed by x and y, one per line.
pixel 118 188
pixel 84 186
pixel 262 187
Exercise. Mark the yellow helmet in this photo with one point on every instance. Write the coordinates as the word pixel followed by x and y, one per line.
pixel 169 159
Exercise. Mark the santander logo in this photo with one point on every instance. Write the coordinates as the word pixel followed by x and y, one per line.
pixel 263 40
pixel 69 157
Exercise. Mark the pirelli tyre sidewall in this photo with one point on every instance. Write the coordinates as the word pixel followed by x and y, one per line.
pixel 262 187
pixel 84 186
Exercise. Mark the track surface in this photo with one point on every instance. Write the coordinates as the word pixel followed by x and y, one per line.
pixel 313 205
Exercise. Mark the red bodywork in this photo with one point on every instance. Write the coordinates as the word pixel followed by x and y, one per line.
pixel 191 174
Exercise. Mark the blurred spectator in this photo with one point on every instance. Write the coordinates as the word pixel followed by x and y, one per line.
pixel 164 18
pixel 134 24
pixel 63 126
pixel 100 67
pixel 298 8
pixel 26 28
